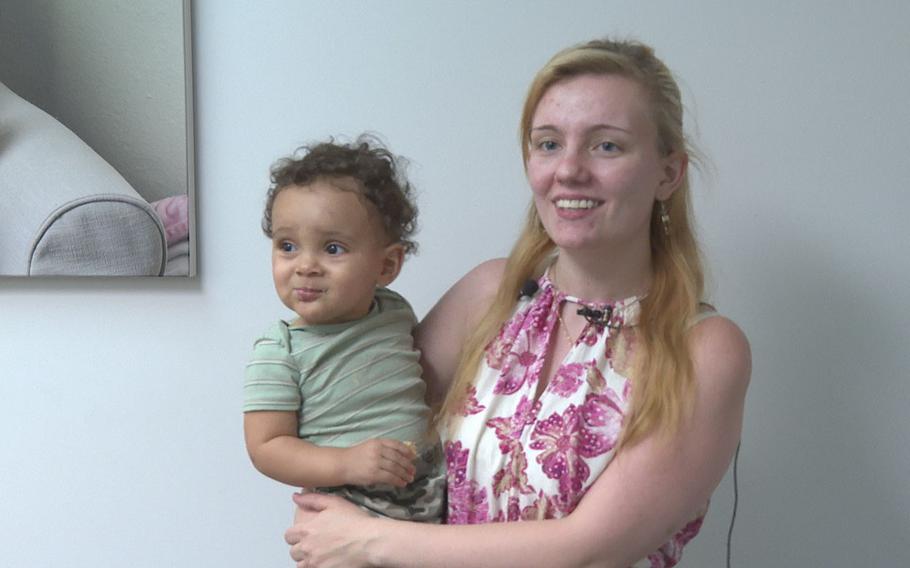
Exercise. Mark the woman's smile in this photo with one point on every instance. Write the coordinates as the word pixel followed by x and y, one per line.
pixel 577 203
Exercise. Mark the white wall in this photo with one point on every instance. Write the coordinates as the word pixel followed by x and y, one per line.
pixel 120 400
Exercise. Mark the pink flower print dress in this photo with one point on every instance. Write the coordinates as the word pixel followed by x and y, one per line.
pixel 510 458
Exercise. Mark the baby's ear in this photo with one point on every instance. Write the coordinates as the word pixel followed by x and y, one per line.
pixel 391 264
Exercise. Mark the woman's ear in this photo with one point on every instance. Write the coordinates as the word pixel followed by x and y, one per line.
pixel 674 170
pixel 392 260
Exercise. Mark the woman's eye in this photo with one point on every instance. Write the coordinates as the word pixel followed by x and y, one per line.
pixel 607 147
pixel 547 145
pixel 334 249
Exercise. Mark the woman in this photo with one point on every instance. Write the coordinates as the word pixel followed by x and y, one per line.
pixel 591 394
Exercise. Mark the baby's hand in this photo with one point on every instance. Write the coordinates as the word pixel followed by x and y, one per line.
pixel 379 461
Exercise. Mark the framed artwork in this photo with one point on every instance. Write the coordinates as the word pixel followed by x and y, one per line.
pixel 96 138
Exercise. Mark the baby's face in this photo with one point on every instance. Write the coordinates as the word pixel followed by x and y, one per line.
pixel 328 253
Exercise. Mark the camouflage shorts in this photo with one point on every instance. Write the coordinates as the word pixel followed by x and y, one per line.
pixel 423 500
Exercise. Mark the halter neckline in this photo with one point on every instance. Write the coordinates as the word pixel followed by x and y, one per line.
pixel 547 282
pixel 624 311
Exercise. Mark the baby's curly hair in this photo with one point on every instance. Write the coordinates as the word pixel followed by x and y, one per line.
pixel 378 172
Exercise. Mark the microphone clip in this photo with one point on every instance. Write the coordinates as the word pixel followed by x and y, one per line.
pixel 600 318
pixel 528 289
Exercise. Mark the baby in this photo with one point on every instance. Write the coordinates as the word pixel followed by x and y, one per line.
pixel 334 400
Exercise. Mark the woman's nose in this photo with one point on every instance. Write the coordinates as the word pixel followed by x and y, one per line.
pixel 573 167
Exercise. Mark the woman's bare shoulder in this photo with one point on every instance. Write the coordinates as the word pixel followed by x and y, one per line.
pixel 721 353
pixel 484 279
pixel 444 330
pixel 474 291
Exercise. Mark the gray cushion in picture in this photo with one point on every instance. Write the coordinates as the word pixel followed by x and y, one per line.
pixel 63 209
pixel 99 235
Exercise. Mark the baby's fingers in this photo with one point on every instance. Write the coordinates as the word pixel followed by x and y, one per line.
pixel 398 460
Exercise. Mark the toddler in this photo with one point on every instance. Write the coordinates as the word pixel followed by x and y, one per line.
pixel 334 400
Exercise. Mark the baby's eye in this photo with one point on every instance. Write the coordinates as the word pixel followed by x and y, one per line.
pixel 285 246
pixel 334 249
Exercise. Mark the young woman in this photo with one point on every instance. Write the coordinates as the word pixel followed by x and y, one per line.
pixel 593 397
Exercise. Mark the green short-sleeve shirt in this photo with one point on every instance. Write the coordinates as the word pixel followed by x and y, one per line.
pixel 349 382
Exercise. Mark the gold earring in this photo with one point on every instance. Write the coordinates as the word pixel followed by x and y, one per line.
pixel 664 217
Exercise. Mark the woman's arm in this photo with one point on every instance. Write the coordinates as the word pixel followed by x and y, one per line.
pixel 653 488
pixel 276 451
pixel 443 331
pixel 648 492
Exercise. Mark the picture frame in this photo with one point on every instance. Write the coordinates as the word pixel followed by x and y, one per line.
pixel 96 139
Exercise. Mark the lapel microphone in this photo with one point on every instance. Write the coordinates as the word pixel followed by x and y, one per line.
pixel 528 289
pixel 599 318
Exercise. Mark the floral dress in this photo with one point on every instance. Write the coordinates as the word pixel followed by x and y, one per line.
pixel 511 458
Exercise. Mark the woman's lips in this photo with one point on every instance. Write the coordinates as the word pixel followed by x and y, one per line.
pixel 575 208
pixel 568 203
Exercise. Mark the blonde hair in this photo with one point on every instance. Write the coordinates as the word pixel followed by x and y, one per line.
pixel 662 372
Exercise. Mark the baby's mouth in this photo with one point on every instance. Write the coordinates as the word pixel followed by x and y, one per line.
pixel 308 294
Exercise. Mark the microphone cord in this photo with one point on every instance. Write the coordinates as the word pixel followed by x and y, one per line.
pixel 735 502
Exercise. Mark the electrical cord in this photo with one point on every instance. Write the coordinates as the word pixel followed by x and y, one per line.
pixel 735 502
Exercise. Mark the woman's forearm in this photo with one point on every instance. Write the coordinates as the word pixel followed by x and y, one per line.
pixel 528 544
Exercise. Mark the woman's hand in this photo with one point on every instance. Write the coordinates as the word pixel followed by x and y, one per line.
pixel 329 532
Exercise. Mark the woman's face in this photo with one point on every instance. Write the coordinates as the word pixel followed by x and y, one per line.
pixel 594 165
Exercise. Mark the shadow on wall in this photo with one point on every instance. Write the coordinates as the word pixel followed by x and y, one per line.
pixel 24 29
